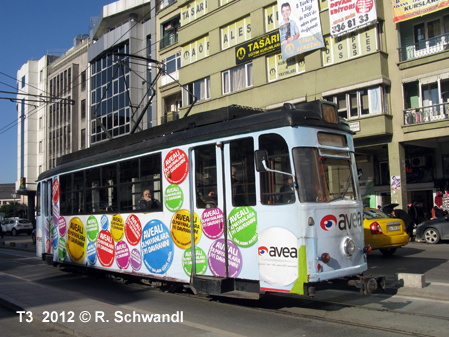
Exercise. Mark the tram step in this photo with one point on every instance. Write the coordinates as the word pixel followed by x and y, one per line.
pixel 228 287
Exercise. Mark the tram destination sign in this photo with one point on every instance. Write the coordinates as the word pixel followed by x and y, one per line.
pixel 258 47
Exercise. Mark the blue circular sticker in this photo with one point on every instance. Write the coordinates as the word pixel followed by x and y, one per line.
pixel 104 222
pixel 91 253
pixel 157 247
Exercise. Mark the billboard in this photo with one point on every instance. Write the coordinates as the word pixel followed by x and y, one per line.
pixel 406 9
pixel 349 15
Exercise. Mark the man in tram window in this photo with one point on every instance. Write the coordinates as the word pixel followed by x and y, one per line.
pixel 238 194
pixel 287 191
pixel 147 202
pixel 288 29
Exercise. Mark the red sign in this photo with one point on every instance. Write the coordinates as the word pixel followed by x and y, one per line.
pixel 55 191
pixel 133 230
pixel 176 166
pixel 105 249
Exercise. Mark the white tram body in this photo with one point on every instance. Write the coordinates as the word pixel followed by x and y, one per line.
pixel 267 201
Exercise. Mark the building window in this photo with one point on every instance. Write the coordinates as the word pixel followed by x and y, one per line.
pixel 236 33
pixel 23 81
pixel 169 32
pixel 278 68
pixel 83 109
pixel 83 81
pixel 359 103
pixel 172 65
pixel 238 78
pixel 110 96
pixel 200 89
pixel 83 138
pixel 224 2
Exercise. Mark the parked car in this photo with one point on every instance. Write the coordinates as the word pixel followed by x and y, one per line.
pixel 17 226
pixel 383 232
pixel 433 231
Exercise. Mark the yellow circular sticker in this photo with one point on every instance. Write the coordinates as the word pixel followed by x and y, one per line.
pixel 180 228
pixel 117 227
pixel 76 240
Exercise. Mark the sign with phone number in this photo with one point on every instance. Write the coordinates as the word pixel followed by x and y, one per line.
pixel 349 15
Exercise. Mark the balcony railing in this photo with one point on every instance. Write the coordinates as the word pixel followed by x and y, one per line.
pixel 169 39
pixel 170 117
pixel 424 47
pixel 426 114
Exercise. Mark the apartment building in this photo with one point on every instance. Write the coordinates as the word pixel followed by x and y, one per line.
pixel 389 80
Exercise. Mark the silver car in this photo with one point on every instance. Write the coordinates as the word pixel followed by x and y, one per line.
pixel 17 226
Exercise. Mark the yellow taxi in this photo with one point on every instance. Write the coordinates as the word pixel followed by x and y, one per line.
pixel 383 232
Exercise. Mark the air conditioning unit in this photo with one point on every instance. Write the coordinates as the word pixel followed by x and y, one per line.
pixel 418 161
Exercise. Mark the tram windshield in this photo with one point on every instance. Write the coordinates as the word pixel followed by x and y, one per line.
pixel 323 178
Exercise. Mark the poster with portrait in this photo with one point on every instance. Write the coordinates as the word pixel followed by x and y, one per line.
pixel 395 183
pixel 299 27
pixel 348 16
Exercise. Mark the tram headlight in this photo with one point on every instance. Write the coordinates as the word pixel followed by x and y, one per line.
pixel 349 246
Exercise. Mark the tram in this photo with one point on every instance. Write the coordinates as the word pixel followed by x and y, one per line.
pixel 233 202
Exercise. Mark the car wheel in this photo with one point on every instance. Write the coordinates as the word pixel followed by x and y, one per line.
pixel 431 236
pixel 14 232
pixel 387 252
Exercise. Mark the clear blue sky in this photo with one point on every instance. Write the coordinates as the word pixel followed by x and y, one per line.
pixel 29 29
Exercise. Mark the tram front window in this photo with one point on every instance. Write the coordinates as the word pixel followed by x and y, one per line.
pixel 322 179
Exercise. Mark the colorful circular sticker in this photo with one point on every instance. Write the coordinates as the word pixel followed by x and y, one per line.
pixel 156 246
pixel 278 256
pixel 56 211
pixel 93 229
pixel 62 226
pixel 122 255
pixel 243 226
pixel 55 189
pixel 54 236
pixel 104 222
pixel 76 240
pixel 180 228
pixel 117 228
pixel 91 253
pixel 173 198
pixel 176 166
pixel 105 249
pixel 135 259
pixel 62 250
pixel 213 223
pixel 200 261
pixel 133 230
pixel 217 257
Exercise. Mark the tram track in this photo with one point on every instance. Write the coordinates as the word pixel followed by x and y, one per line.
pixel 366 316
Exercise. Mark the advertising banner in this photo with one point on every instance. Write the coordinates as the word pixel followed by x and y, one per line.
pixel 299 27
pixel 349 15
pixel 409 9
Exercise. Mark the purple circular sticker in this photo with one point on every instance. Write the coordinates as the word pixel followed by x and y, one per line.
pixel 213 224
pixel 62 226
pixel 216 259
pixel 122 255
pixel 136 259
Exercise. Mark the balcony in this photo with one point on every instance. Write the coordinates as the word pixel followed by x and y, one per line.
pixel 424 48
pixel 426 114
pixel 169 38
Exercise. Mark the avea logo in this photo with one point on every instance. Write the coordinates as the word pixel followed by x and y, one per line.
pixel 286 252
pixel 263 250
pixel 328 222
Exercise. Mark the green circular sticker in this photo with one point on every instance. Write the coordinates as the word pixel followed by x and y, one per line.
pixel 200 261
pixel 173 198
pixel 243 226
pixel 93 229
pixel 62 249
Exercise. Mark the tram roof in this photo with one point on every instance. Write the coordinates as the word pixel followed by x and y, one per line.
pixel 213 124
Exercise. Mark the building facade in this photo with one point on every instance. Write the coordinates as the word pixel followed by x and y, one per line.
pixel 389 80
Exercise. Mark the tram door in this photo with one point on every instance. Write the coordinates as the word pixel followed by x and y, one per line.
pixel 223 183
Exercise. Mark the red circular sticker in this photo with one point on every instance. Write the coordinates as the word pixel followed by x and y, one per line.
pixel 105 249
pixel 55 191
pixel 176 166
pixel 364 6
pixel 133 230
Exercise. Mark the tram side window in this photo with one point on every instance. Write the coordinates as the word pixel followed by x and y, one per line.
pixel 139 176
pixel 243 175
pixel 276 188
pixel 308 175
pixel 206 176
pixel 38 201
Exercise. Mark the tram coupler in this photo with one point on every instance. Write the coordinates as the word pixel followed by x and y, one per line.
pixel 369 284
